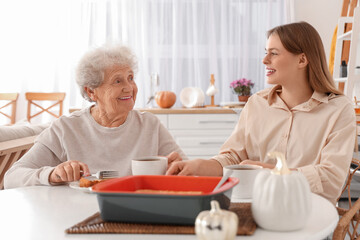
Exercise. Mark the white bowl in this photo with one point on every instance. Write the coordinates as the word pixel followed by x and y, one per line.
pixel 192 97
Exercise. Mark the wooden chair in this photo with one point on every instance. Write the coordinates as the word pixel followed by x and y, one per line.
pixel 350 216
pixel 57 97
pixel 10 101
pixel 11 151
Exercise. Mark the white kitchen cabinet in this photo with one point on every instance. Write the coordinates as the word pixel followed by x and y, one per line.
pixel 163 119
pixel 200 135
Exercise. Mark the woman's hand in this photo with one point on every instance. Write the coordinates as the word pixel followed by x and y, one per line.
pixel 68 172
pixel 251 162
pixel 173 157
pixel 196 167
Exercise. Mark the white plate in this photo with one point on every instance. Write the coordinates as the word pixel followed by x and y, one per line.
pixel 75 185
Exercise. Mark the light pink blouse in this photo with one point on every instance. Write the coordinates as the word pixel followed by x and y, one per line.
pixel 317 137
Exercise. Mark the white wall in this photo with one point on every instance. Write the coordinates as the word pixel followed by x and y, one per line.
pixel 322 14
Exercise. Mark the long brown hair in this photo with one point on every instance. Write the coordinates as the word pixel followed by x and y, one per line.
pixel 301 37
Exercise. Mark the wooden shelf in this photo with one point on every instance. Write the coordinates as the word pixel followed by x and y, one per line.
pixel 344 79
pixel 347 84
pixel 345 36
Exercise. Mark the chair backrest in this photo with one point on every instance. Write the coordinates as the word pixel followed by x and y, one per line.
pixel 34 97
pixel 11 151
pixel 349 210
pixel 347 227
pixel 10 100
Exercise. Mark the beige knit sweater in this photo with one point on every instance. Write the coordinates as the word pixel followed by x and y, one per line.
pixel 80 137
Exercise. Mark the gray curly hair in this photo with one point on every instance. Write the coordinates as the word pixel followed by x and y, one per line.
pixel 91 67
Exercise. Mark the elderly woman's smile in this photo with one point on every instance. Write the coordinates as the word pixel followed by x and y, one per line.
pixel 125 98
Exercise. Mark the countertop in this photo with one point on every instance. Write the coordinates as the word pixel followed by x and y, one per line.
pixel 199 110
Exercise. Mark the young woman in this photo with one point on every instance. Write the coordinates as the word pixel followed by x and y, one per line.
pixel 303 116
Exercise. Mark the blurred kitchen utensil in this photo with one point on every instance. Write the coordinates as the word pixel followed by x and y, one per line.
pixel 150 99
pixel 154 84
pixel 211 91
pixel 100 174
pixel 106 174
pixel 222 180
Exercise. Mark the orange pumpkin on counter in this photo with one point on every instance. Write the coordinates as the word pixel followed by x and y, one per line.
pixel 165 99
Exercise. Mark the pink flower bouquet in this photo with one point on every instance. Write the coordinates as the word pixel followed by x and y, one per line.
pixel 242 87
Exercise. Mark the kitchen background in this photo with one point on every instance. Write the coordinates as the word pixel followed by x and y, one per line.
pixel 182 41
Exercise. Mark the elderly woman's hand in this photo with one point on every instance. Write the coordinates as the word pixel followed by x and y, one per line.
pixel 173 157
pixel 68 171
pixel 196 167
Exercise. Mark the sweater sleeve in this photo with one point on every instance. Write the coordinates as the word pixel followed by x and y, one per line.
pixel 33 168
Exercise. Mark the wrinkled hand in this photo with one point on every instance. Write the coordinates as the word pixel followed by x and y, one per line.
pixel 173 157
pixel 68 171
pixel 196 167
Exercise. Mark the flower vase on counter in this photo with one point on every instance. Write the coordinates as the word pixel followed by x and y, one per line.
pixel 242 88
pixel 243 98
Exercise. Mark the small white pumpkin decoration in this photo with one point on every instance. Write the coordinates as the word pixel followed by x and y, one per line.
pixel 281 198
pixel 216 224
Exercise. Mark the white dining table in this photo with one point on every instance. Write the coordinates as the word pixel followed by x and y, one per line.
pixel 45 212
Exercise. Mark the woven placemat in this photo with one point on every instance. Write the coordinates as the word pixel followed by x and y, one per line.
pixel 94 224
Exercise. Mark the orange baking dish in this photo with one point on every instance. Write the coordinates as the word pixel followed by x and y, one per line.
pixel 166 200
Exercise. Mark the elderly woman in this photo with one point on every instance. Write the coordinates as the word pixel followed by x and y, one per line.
pixel 104 136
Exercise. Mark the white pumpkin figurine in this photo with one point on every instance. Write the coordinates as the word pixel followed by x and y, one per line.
pixel 281 198
pixel 216 224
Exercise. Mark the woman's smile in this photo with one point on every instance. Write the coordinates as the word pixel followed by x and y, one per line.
pixel 270 71
pixel 125 98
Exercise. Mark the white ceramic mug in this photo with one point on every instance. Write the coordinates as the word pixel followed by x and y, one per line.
pixel 152 165
pixel 246 174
